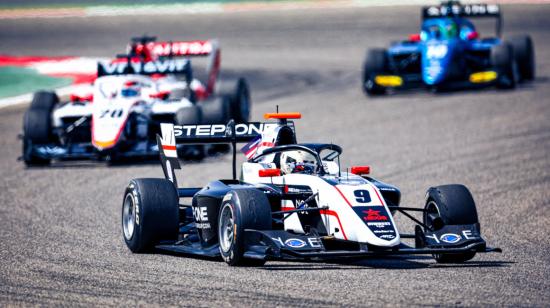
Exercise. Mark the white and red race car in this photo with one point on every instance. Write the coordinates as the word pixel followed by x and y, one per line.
pixel 118 116
pixel 291 202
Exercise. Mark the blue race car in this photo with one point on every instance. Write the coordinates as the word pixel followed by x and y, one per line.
pixel 448 54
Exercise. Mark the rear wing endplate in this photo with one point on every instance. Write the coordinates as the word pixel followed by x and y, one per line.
pixel 148 48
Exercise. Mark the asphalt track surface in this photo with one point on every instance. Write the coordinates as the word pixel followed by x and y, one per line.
pixel 60 235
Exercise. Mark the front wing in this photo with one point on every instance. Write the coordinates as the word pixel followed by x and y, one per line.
pixel 283 245
pixel 273 245
pixel 84 151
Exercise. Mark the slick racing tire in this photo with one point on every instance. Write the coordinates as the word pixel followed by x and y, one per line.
pixel 215 110
pixel 150 213
pixel 45 100
pixel 191 115
pixel 241 209
pixel 37 126
pixel 238 94
pixel 524 53
pixel 450 205
pixel 376 62
pixel 503 60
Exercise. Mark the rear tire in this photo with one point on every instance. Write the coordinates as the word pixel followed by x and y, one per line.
pixel 503 60
pixel 376 62
pixel 241 209
pixel 45 100
pixel 452 205
pixel 37 126
pixel 238 93
pixel 216 110
pixel 191 115
pixel 524 53
pixel 150 213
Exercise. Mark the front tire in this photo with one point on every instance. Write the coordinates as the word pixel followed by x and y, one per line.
pixel 376 62
pixel 238 94
pixel 216 110
pixel 150 213
pixel 524 53
pixel 450 205
pixel 503 60
pixel 241 209
pixel 191 115
pixel 37 126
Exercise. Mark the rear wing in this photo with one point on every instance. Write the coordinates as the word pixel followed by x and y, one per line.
pixel 220 133
pixel 456 9
pixel 230 133
pixel 148 48
pixel 133 66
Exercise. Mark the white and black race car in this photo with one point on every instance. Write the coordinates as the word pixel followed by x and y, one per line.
pixel 292 201
pixel 119 116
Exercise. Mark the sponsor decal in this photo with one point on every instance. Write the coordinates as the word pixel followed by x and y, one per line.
pixel 378 224
pixel 377 220
pixel 383 231
pixel 310 242
pixel 181 48
pixel 462 10
pixel 227 197
pixel 298 189
pixel 219 130
pixel 201 217
pixel 136 202
pixel 452 238
pixel 151 67
pixel 374 215
pixel 295 243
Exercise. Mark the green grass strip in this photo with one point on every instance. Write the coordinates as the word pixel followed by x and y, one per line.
pixel 17 81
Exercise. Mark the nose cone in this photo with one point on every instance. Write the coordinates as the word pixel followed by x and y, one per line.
pixel 436 58
pixel 108 121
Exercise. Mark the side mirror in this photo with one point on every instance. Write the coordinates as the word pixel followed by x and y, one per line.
pixel 360 170
pixel 160 95
pixel 414 37
pixel 81 98
pixel 473 35
pixel 266 173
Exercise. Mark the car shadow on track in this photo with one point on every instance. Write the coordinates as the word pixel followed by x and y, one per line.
pixel 391 262
pixel 427 93
pixel 90 164
pixel 269 85
pixel 398 263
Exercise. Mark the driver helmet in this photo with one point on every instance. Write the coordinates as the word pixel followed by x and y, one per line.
pixel 450 30
pixel 434 32
pixel 130 89
pixel 297 161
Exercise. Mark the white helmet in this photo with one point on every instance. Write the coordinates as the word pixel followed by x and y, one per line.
pixel 297 161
